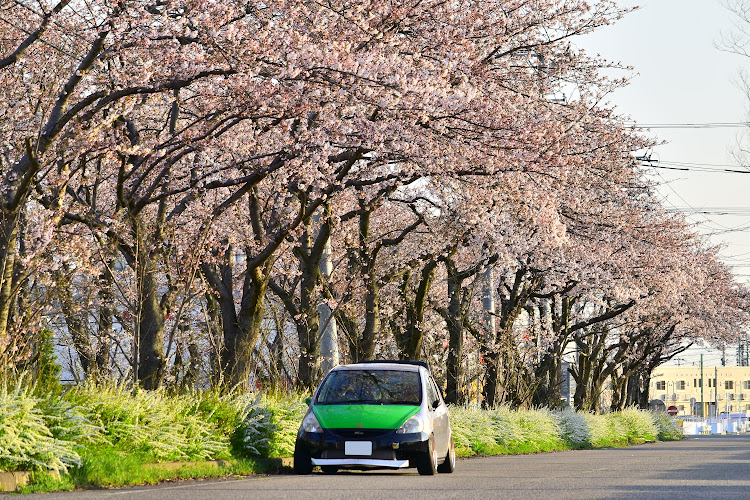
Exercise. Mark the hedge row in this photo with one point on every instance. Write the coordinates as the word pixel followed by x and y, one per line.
pixel 76 429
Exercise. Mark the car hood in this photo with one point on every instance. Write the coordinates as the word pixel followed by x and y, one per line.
pixel 359 416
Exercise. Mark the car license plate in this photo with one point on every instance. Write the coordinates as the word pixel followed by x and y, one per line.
pixel 361 448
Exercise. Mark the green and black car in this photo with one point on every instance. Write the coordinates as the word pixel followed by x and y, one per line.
pixel 374 415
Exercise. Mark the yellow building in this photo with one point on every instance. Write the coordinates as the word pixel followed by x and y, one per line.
pixel 725 389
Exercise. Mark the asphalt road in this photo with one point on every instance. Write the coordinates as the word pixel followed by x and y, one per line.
pixel 710 467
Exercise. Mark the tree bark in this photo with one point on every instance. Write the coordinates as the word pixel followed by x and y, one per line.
pixel 8 249
pixel 456 312
pixel 151 318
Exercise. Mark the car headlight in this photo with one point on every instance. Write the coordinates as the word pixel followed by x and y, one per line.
pixel 310 423
pixel 411 426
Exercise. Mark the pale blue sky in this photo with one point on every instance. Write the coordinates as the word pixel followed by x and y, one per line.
pixel 681 77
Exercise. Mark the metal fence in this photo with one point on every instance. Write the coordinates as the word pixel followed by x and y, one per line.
pixel 732 423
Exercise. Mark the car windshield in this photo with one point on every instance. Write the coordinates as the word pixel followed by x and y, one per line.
pixel 370 387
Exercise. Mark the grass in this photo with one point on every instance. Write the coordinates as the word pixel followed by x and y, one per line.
pixel 105 470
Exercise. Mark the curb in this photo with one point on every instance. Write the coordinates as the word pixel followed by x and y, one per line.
pixel 274 465
pixel 12 481
pixel 278 465
pixel 214 464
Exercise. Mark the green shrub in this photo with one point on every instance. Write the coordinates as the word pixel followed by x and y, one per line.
pixel 42 482
pixel 668 429
pixel 47 370
pixel 575 429
pixel 529 431
pixel 254 427
pixel 153 423
pixel 287 412
pixel 26 441
pixel 473 431
pixel 500 431
pixel 639 425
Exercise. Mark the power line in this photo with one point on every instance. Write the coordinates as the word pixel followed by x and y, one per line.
pixel 690 125
pixel 707 222
pixel 687 167
pixel 695 164
pixel 737 211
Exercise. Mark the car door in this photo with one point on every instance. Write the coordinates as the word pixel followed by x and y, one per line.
pixel 439 413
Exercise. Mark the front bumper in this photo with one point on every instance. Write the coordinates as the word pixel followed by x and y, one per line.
pixel 389 450
pixel 361 462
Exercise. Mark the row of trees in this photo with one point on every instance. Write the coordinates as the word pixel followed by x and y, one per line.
pixel 174 171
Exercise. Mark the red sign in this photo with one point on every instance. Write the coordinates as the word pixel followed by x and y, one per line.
pixel 672 411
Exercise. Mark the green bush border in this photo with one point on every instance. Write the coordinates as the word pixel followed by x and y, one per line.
pixel 106 435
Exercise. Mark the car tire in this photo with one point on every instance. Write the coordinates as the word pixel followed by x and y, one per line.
pixel 329 469
pixel 449 465
pixel 302 460
pixel 427 461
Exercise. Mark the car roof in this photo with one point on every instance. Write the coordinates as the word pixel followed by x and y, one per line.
pixel 380 365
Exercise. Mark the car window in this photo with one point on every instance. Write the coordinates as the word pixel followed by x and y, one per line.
pixel 437 390
pixel 432 393
pixel 370 386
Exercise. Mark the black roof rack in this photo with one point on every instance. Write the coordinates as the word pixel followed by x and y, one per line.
pixel 398 361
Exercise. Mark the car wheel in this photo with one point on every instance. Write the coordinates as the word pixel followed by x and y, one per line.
pixel 449 465
pixel 427 461
pixel 302 460
pixel 329 469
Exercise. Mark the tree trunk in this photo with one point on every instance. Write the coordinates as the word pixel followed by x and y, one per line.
pixel 409 337
pixel 215 332
pixel 548 378
pixel 644 381
pixel 455 323
pixel 619 391
pixel 106 320
pixel 151 361
pixel 76 328
pixel 241 335
pixel 632 390
pixel 8 244
pixel 309 323
pixel 372 318
pixel 491 381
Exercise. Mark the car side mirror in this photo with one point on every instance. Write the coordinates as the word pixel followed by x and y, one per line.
pixel 308 401
pixel 435 404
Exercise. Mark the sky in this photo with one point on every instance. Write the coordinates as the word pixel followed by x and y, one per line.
pixel 681 77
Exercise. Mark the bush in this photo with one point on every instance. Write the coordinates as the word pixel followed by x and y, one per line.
pixel 287 412
pixel 153 423
pixel 528 431
pixel 103 434
pixel 473 431
pixel 501 431
pixel 26 441
pixel 639 425
pixel 254 427
pixel 575 429
pixel 668 429
pixel 47 371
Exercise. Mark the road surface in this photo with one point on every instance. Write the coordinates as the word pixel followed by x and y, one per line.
pixel 706 467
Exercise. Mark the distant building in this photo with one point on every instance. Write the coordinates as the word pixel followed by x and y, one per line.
pixel 726 389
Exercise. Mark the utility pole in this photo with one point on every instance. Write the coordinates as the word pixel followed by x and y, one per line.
pixel 488 305
pixel 702 407
pixel 327 331
pixel 716 392
pixel 488 301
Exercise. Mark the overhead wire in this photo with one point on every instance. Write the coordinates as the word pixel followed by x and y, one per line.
pixel 706 222
pixel 694 125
